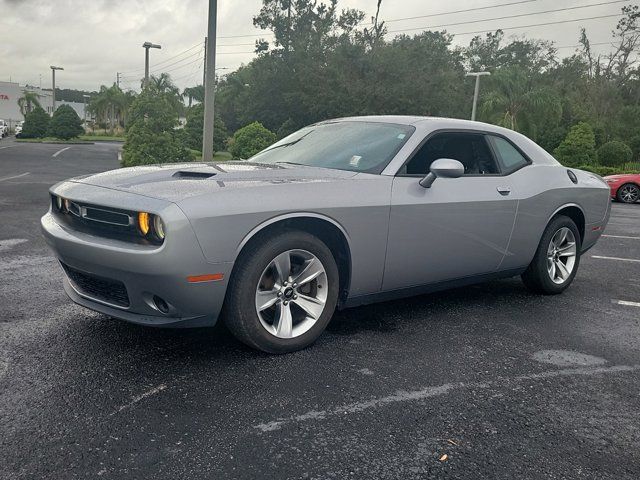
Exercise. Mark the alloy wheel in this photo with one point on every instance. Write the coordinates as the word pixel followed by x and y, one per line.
pixel 561 255
pixel 291 294
pixel 630 193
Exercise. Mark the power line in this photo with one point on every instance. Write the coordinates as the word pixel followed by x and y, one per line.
pixel 520 15
pixel 178 54
pixel 167 70
pixel 135 72
pixel 538 24
pixel 466 10
pixel 179 61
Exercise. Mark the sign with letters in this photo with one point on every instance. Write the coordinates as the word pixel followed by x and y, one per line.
pixel 4 97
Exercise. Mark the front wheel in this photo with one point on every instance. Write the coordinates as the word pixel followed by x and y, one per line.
pixel 556 261
pixel 283 292
pixel 628 193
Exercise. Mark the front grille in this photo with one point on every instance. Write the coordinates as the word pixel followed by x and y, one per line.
pixel 99 288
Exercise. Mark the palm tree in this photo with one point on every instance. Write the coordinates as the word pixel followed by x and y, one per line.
pixel 515 102
pixel 28 102
pixel 163 85
pixel 110 105
pixel 194 93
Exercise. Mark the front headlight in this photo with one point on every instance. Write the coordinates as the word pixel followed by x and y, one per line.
pixel 143 223
pixel 158 227
pixel 151 225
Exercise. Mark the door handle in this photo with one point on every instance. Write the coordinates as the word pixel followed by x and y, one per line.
pixel 504 190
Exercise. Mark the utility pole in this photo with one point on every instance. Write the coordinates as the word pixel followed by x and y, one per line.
pixel 204 70
pixel 118 79
pixel 53 92
pixel 147 46
pixel 476 91
pixel 209 84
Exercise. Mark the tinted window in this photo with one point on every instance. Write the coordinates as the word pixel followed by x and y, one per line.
pixel 508 156
pixel 469 149
pixel 355 146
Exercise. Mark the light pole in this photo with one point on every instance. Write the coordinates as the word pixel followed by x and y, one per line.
pixel 53 98
pixel 85 96
pixel 209 82
pixel 147 46
pixel 477 90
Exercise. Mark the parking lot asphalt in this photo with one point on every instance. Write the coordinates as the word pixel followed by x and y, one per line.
pixel 488 381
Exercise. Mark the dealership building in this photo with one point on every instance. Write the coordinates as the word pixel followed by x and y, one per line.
pixel 10 92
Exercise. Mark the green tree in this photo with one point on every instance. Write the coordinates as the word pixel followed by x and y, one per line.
pixel 194 127
pixel 634 143
pixel 151 135
pixel 164 86
pixel 36 124
pixel 515 101
pixel 250 140
pixel 614 154
pixel 194 93
pixel 65 123
pixel 578 147
pixel 28 102
pixel 110 105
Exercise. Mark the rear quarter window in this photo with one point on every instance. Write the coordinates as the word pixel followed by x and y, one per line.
pixel 508 155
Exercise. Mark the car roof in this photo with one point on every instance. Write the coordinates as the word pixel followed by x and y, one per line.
pixel 429 122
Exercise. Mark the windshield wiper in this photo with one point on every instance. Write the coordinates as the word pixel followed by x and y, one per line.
pixel 289 143
pixel 291 163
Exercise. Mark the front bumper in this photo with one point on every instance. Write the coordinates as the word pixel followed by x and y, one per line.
pixel 147 272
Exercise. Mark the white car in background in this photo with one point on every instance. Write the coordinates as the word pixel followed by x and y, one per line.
pixel 4 129
pixel 18 128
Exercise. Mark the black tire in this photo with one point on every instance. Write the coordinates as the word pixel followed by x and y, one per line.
pixel 537 277
pixel 240 314
pixel 633 186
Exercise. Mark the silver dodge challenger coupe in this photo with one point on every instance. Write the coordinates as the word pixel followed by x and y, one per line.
pixel 341 213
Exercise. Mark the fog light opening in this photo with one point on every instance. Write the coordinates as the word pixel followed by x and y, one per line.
pixel 161 304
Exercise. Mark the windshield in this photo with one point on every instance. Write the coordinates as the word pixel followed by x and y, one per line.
pixel 355 146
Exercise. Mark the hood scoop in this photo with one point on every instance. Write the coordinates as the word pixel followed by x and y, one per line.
pixel 194 174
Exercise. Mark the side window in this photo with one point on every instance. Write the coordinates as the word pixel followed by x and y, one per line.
pixel 469 149
pixel 509 157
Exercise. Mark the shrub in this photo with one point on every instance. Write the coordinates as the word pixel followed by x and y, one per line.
pixel 634 143
pixel 65 123
pixel 614 154
pixel 36 124
pixel 250 140
pixel 578 147
pixel 151 134
pixel 193 128
pixel 599 170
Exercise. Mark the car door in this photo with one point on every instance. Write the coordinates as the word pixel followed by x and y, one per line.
pixel 459 227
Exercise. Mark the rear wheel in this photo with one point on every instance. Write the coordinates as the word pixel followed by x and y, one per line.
pixel 283 292
pixel 628 193
pixel 556 261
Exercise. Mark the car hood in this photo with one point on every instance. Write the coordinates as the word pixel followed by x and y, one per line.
pixel 177 181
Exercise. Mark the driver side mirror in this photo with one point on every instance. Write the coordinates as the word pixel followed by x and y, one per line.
pixel 443 168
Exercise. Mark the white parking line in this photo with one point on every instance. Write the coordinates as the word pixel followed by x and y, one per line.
pixel 616 258
pixel 436 391
pixel 59 152
pixel 137 398
pixel 622 236
pixel 10 243
pixel 14 176
pixel 627 303
pixel 8 146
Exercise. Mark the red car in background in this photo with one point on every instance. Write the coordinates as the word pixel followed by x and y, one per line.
pixel 624 188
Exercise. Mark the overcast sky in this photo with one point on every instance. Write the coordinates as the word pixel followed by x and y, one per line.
pixel 94 39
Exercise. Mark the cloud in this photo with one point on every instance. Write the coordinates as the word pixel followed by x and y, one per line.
pixel 95 39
